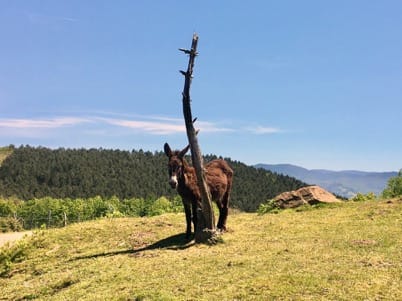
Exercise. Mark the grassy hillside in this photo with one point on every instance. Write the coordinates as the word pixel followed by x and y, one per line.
pixel 348 252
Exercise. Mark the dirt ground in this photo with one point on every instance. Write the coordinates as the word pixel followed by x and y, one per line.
pixel 12 236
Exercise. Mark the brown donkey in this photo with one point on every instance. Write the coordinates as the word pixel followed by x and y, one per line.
pixel 182 177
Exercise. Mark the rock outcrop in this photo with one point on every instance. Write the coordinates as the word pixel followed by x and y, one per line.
pixel 306 195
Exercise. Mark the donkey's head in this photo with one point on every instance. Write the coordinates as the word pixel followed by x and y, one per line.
pixel 175 164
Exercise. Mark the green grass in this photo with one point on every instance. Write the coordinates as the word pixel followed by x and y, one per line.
pixel 350 252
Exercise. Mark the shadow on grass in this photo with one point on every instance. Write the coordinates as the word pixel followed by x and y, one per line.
pixel 175 242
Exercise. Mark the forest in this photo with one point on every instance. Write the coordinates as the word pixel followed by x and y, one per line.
pixel 37 172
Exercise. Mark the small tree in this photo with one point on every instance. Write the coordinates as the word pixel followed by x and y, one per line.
pixel 394 187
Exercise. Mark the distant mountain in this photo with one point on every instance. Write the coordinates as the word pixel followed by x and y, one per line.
pixel 345 183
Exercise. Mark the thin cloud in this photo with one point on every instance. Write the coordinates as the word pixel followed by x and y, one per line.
pixel 153 125
pixel 38 128
pixel 67 19
pixel 42 123
pixel 210 127
pixel 147 126
pixel 41 19
pixel 163 125
pixel 262 130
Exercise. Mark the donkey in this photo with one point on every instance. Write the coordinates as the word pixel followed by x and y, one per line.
pixel 182 176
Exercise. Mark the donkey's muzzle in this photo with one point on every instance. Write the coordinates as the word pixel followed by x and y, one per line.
pixel 173 182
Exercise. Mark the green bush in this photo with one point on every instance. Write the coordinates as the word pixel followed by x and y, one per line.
pixel 177 204
pixel 50 212
pixel 160 206
pixel 7 208
pixel 134 207
pixel 360 197
pixel 45 211
pixel 394 187
pixel 268 207
pixel 10 224
pixel 10 254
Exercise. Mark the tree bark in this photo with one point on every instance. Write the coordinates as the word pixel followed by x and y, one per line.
pixel 205 230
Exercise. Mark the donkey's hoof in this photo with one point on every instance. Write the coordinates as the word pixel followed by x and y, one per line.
pixel 222 230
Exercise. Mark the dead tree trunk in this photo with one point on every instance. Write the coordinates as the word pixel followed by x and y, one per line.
pixel 205 216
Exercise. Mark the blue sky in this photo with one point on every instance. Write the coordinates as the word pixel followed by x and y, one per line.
pixel 312 83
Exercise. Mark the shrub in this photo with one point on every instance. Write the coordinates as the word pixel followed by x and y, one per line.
pixel 394 187
pixel 7 208
pixel 268 207
pixel 51 212
pixel 10 254
pixel 134 207
pixel 160 206
pixel 177 204
pixel 10 224
pixel 360 197
pixel 45 211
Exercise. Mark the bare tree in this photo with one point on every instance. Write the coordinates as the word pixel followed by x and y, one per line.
pixel 206 220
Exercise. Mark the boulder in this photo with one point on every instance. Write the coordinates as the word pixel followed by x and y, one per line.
pixel 306 195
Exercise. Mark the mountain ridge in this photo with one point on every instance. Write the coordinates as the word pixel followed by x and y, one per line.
pixel 346 183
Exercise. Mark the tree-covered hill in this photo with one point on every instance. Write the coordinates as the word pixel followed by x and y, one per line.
pixel 33 172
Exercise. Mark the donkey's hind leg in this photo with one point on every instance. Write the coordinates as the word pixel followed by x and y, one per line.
pixel 223 214
pixel 224 207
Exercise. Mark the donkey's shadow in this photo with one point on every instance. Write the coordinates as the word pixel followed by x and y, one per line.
pixel 174 242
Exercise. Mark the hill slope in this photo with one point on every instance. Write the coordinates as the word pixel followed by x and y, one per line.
pixel 5 152
pixel 81 173
pixel 344 183
pixel 347 252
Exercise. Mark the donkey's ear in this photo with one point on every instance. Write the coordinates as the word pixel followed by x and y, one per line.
pixel 167 149
pixel 184 151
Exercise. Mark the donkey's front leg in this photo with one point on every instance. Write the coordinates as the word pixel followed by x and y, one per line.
pixel 194 215
pixel 187 210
